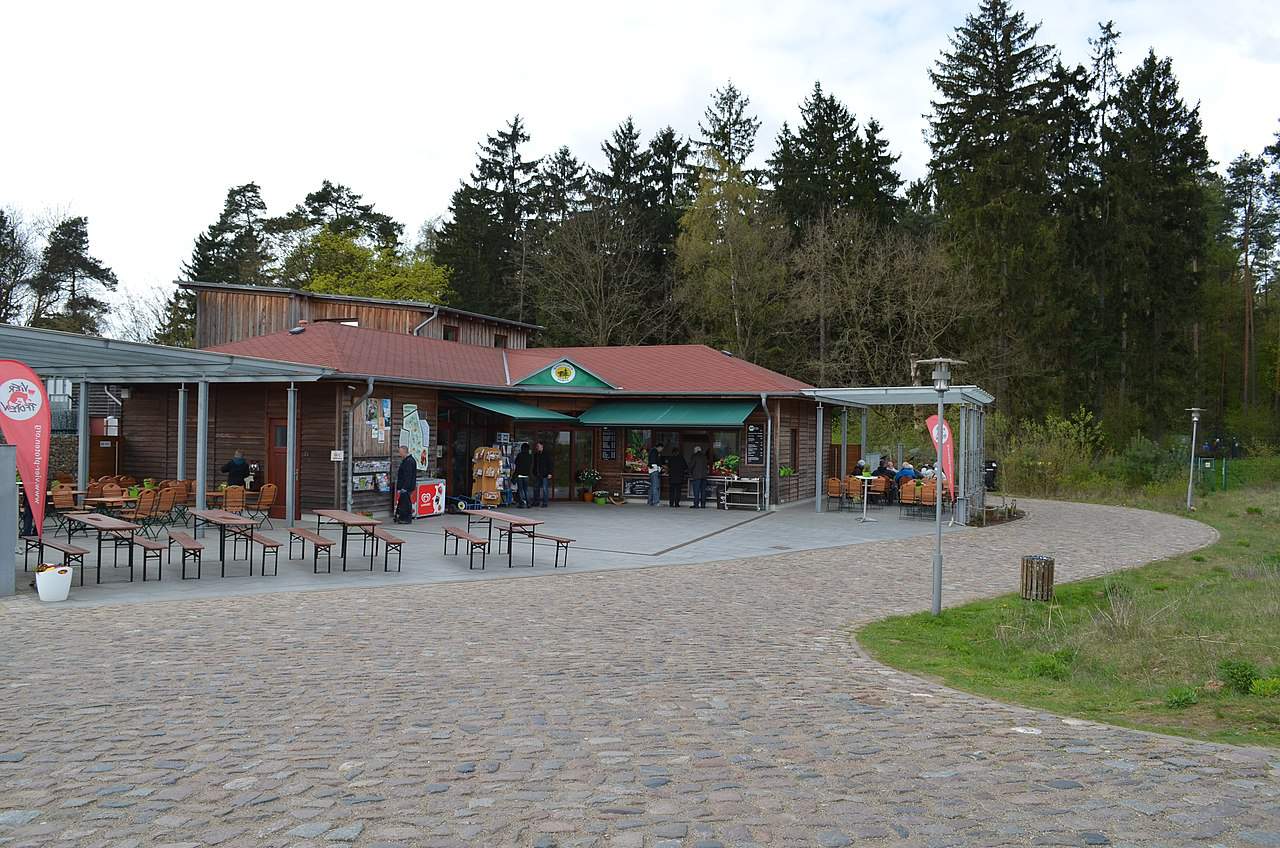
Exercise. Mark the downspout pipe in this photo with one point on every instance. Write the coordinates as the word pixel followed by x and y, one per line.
pixel 417 330
pixel 768 452
pixel 351 427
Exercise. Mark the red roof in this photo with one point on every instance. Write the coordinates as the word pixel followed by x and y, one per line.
pixel 640 369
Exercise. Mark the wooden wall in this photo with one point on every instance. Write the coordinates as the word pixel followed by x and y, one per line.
pixel 227 316
pixel 238 414
pixel 427 401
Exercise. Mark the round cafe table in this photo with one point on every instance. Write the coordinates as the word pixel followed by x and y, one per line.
pixel 866 493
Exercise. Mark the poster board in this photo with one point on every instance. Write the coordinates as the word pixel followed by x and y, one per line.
pixel 415 434
pixel 372 435
pixel 755 445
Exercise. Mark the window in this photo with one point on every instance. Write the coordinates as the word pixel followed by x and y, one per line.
pixel 499 340
pixel 451 332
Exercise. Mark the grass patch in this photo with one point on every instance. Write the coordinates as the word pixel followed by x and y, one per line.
pixel 1187 645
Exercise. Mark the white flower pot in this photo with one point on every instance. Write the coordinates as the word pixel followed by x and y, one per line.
pixel 53 584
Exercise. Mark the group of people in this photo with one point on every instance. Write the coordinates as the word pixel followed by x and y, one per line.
pixel 897 476
pixel 696 470
pixel 533 473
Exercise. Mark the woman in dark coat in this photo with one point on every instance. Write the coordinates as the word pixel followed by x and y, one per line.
pixel 677 469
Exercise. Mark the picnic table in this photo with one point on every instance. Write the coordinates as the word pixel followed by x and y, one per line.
pixel 222 519
pixel 104 524
pixel 348 520
pixel 527 527
pixel 109 501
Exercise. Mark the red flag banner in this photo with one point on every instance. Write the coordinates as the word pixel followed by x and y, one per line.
pixel 947 452
pixel 24 420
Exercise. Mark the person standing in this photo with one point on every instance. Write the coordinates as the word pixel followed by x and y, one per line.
pixel 237 470
pixel 655 474
pixel 677 468
pixel 524 470
pixel 406 485
pixel 541 476
pixel 698 477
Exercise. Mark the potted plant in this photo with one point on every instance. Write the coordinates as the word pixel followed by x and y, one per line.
pixel 589 477
pixel 788 482
pixel 53 582
pixel 726 466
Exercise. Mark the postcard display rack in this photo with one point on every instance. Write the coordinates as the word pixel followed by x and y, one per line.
pixel 491 475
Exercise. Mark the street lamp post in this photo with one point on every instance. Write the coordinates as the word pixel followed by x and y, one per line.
pixel 941 383
pixel 1191 473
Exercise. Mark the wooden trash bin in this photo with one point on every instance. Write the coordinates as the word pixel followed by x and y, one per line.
pixel 1037 578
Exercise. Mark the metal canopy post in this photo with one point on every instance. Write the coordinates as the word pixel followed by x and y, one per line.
pixel 202 444
pixel 8 519
pixel 818 481
pixel 863 441
pixel 182 432
pixel 844 443
pixel 291 448
pixel 82 436
pixel 962 500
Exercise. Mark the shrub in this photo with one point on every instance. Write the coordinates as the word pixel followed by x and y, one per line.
pixel 1181 697
pixel 1265 687
pixel 1238 675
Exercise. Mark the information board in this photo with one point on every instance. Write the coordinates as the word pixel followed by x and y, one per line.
pixel 755 444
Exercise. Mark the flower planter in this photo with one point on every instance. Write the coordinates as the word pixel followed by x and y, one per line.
pixel 54 583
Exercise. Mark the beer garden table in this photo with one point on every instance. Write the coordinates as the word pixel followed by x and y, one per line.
pixel 103 524
pixel 222 520
pixel 347 520
pixel 527 527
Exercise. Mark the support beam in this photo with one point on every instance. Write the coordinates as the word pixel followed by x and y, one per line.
pixel 202 443
pixel 863 440
pixel 844 443
pixel 962 500
pixel 8 520
pixel 82 434
pixel 182 433
pixel 818 482
pixel 291 450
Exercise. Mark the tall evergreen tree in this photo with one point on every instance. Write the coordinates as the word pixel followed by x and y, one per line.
pixel 1252 230
pixel 814 169
pixel 561 187
pixel 486 241
pixel 69 284
pixel 728 129
pixel 234 249
pixel 623 183
pixel 876 180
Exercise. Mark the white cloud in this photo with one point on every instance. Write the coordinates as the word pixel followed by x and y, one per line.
pixel 140 116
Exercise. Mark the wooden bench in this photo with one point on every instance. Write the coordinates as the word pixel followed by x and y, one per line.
pixel 192 551
pixel 269 546
pixel 474 543
pixel 71 555
pixel 151 549
pixel 390 544
pixel 562 544
pixel 319 543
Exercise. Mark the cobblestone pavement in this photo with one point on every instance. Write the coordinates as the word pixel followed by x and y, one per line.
pixel 704 705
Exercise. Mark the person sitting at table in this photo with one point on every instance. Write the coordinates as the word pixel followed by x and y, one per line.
pixel 237 470
pixel 908 472
pixel 883 469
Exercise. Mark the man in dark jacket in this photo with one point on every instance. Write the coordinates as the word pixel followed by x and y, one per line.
pixel 676 470
pixel 541 476
pixel 698 477
pixel 524 470
pixel 237 470
pixel 406 485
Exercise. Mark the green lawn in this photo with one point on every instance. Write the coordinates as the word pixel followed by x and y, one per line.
pixel 1141 648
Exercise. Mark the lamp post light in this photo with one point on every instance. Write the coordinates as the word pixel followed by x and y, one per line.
pixel 941 383
pixel 1191 473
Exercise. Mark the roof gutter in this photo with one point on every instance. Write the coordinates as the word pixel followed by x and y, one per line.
pixel 435 313
pixel 351 428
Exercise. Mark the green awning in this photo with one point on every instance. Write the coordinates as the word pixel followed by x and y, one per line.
pixel 513 409
pixel 685 413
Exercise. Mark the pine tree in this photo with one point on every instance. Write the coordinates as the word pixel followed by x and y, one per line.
pixel 561 187
pixel 334 209
pixel 177 327
pixel 728 130
pixel 876 179
pixel 1252 230
pixel 622 185
pixel 814 169
pixel 234 249
pixel 69 283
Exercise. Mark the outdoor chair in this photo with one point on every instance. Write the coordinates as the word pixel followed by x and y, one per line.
pixel 181 500
pixel 162 516
pixel 908 497
pixel 853 489
pixel 262 509
pixel 111 490
pixel 879 494
pixel 94 490
pixel 64 504
pixel 233 499
pixel 834 491
pixel 927 493
pixel 142 513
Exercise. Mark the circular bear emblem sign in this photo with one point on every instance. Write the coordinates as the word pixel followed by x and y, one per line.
pixel 20 399
pixel 564 373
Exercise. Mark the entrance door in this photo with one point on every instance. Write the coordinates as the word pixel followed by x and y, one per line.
pixel 278 464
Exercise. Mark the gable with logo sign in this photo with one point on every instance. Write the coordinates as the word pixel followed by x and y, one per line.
pixel 565 374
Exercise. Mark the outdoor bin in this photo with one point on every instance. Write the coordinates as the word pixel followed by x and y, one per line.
pixel 1037 578
pixel 53 584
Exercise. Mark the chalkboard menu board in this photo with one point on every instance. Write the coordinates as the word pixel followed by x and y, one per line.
pixel 755 444
pixel 609 445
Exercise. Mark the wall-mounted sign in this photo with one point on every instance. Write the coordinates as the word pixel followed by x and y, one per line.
pixel 564 373
pixel 336 455
pixel 755 444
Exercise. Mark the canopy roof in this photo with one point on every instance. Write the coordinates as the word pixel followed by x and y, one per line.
pixel 689 413
pixel 513 408
pixel 900 396
pixel 51 353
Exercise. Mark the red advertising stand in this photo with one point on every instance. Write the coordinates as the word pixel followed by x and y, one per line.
pixel 24 420
pixel 429 499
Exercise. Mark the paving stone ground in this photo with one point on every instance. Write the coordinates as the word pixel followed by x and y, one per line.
pixel 701 705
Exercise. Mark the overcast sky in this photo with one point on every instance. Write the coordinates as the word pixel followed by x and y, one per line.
pixel 141 116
